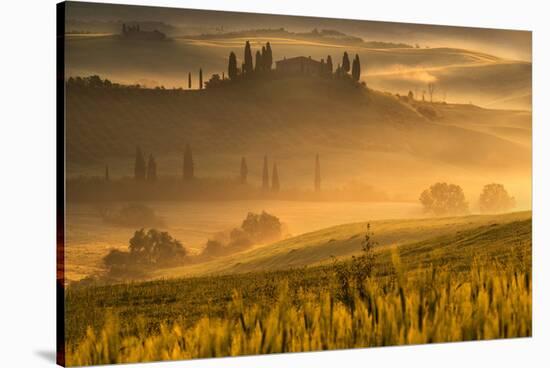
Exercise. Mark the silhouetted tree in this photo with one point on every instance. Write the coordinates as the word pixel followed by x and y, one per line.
pixel 189 80
pixel 431 90
pixel 248 68
pixel 338 73
pixel 495 198
pixel 275 179
pixel 139 166
pixel 329 65
pixel 200 78
pixel 264 56
pixel 188 164
pixel 107 173
pixel 259 65
pixel 244 171
pixel 356 69
pixel 345 63
pixel 265 175
pixel 268 60
pixel 410 95
pixel 232 70
pixel 317 174
pixel 151 169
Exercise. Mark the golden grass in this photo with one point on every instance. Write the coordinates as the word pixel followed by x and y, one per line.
pixel 435 305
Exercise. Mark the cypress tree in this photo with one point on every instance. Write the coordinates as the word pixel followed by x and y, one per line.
pixel 189 80
pixel 151 169
pixel 188 165
pixel 264 58
pixel 268 57
pixel 328 67
pixel 248 67
pixel 200 78
pixel 275 179
pixel 232 70
pixel 244 171
pixel 265 175
pixel 317 174
pixel 107 173
pixel 356 69
pixel 139 166
pixel 345 63
pixel 258 62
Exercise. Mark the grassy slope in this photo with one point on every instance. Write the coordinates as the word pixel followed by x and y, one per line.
pixel 282 117
pixel 345 240
pixel 452 242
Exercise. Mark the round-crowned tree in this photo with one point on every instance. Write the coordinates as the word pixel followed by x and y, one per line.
pixel 495 198
pixel 444 199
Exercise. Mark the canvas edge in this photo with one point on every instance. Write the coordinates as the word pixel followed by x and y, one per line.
pixel 60 183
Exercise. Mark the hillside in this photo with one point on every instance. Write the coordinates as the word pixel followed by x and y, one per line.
pixel 461 75
pixel 290 120
pixel 452 242
pixel 419 241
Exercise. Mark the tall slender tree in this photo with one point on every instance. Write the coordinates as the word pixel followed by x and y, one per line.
pixel 200 78
pixel 248 67
pixel 259 65
pixel 107 178
pixel 268 57
pixel 345 63
pixel 189 80
pixel 356 69
pixel 232 70
pixel 151 169
pixel 264 57
pixel 317 174
pixel 244 171
pixel 139 166
pixel 275 186
pixel 265 175
pixel 329 65
pixel 188 164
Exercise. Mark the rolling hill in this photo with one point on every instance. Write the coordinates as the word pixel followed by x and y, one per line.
pixel 291 120
pixel 461 75
pixel 419 242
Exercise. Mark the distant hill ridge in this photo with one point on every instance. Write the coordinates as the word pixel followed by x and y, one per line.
pixel 323 35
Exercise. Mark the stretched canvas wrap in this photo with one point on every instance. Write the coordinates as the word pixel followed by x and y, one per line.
pixel 238 184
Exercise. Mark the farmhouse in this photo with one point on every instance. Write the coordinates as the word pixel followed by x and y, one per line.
pixel 299 65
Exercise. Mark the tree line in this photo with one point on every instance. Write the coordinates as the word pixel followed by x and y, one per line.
pixel 442 199
pixel 146 170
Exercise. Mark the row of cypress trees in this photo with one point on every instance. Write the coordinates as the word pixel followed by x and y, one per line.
pixel 263 62
pixel 344 68
pixel 148 172
pixel 142 171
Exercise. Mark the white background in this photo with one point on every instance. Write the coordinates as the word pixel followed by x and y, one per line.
pixel 27 181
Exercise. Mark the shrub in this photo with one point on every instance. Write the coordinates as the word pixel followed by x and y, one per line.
pixel 352 275
pixel 146 248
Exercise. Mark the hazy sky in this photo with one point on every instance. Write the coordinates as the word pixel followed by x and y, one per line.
pixel 504 43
